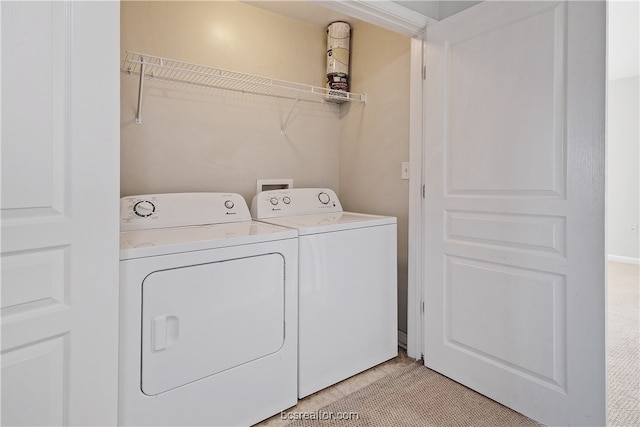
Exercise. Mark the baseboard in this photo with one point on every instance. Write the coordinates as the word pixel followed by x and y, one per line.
pixel 624 259
pixel 402 339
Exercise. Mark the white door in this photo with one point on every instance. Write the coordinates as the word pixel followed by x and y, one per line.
pixel 514 286
pixel 60 174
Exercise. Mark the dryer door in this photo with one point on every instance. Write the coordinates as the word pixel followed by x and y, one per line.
pixel 203 319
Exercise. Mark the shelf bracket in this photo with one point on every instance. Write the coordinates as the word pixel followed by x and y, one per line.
pixel 286 121
pixel 140 86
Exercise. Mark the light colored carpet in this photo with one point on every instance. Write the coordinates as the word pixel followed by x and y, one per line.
pixel 415 396
pixel 623 347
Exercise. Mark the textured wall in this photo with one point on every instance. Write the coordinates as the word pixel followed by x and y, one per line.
pixel 623 160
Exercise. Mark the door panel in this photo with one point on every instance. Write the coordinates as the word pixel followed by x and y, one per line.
pixel 544 235
pixel 514 210
pixel 36 315
pixel 532 301
pixel 39 369
pixel 42 179
pixel 492 148
pixel 60 143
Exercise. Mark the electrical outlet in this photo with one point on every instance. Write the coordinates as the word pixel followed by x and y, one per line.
pixel 633 228
pixel 405 170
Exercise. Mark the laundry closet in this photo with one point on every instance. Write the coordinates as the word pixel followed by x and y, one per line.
pixel 60 165
pixel 193 138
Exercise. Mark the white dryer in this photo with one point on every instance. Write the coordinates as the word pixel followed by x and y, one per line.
pixel 208 312
pixel 347 284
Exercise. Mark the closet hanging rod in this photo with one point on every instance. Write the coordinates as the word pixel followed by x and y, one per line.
pixel 202 75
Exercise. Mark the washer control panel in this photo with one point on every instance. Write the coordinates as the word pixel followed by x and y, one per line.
pixel 294 201
pixel 181 209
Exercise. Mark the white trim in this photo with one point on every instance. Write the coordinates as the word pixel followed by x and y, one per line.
pixel 385 14
pixel 624 259
pixel 416 232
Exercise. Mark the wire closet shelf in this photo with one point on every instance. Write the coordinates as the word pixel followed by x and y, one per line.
pixel 151 66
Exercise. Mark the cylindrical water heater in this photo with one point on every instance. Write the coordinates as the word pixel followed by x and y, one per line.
pixel 338 39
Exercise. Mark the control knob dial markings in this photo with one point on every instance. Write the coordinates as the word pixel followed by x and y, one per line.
pixel 324 198
pixel 144 208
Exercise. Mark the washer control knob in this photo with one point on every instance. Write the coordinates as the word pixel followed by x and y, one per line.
pixel 286 200
pixel 324 198
pixel 144 208
pixel 274 201
pixel 229 204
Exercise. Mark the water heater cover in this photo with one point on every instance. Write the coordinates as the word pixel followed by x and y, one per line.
pixel 338 41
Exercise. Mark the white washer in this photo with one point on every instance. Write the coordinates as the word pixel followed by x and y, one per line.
pixel 347 284
pixel 208 312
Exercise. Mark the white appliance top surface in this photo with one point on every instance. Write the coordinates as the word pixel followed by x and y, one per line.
pixel 329 222
pixel 173 240
pixel 310 211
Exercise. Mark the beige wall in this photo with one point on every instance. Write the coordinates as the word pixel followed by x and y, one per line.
pixel 374 141
pixel 199 139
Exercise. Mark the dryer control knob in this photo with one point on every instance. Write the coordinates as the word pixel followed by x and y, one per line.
pixel 324 198
pixel 144 208
pixel 229 204
pixel 286 200
pixel 274 201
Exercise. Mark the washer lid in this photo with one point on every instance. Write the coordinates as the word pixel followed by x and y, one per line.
pixel 325 223
pixel 163 241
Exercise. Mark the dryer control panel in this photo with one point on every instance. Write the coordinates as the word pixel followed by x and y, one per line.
pixel 294 201
pixel 181 209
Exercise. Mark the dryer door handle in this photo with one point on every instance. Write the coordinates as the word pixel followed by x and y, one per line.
pixel 165 330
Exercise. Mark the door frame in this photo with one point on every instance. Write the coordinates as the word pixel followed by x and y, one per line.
pixel 415 346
